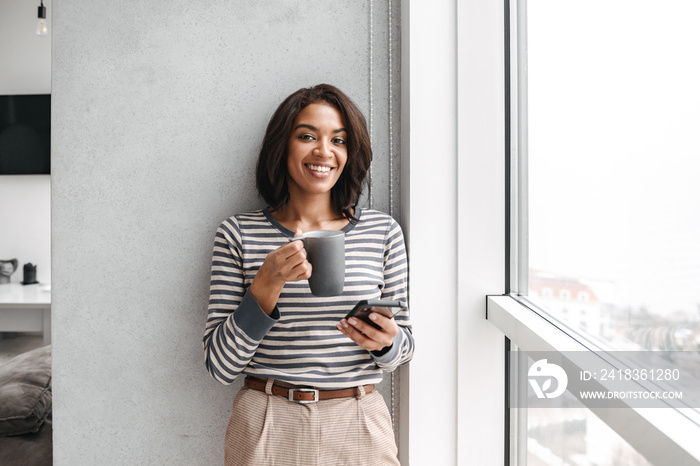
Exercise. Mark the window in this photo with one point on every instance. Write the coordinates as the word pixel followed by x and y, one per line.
pixel 613 161
pixel 604 213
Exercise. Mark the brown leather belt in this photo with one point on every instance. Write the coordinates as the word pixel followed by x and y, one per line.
pixel 305 395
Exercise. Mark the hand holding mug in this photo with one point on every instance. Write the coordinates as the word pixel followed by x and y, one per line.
pixel 287 263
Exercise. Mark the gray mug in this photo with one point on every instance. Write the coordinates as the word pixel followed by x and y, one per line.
pixel 325 251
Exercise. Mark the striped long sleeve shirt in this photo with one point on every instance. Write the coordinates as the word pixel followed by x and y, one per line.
pixel 299 342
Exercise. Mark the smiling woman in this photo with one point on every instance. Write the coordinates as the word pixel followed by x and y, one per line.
pixel 285 123
pixel 317 151
pixel 309 395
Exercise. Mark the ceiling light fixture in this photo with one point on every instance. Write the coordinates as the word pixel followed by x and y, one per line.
pixel 41 28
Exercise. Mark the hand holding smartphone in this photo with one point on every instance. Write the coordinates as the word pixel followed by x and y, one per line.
pixel 364 308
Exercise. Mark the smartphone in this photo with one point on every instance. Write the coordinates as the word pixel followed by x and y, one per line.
pixel 363 309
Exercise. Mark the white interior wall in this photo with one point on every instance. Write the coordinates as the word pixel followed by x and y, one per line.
pixel 454 194
pixel 25 58
pixel 25 200
pixel 25 223
pixel 430 138
pixel 481 171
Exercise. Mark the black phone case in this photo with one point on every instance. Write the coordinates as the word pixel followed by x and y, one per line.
pixel 362 309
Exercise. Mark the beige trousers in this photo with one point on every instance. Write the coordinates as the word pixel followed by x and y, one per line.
pixel 270 430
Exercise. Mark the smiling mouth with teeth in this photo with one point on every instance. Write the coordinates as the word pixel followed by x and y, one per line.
pixel 319 168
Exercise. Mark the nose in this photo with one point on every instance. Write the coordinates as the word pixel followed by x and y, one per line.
pixel 323 149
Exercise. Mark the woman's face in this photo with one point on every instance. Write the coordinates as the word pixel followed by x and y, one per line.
pixel 317 150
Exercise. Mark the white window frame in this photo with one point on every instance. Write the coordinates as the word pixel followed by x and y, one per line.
pixel 663 436
pixel 453 204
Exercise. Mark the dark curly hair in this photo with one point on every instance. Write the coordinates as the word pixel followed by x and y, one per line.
pixel 271 171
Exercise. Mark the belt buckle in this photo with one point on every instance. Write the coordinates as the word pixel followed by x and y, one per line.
pixel 303 390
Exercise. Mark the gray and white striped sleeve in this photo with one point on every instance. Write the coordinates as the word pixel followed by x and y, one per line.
pixel 235 323
pixel 396 288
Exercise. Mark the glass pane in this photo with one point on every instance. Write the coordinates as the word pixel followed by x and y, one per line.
pixel 614 169
pixel 575 436
pixel 613 117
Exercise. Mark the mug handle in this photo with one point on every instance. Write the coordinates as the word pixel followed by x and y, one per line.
pixel 299 238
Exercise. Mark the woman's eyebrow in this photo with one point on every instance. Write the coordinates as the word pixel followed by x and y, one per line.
pixel 304 125
pixel 313 128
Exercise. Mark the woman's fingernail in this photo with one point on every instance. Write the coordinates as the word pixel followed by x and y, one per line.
pixel 373 316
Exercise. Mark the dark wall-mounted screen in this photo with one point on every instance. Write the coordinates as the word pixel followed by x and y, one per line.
pixel 25 134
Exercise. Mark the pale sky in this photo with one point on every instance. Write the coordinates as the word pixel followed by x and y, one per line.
pixel 614 160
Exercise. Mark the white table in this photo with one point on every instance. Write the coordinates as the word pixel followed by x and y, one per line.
pixel 25 308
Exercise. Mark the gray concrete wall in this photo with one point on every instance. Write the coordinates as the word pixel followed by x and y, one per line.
pixel 158 113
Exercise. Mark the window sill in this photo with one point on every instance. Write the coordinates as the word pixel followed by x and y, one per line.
pixel 662 435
